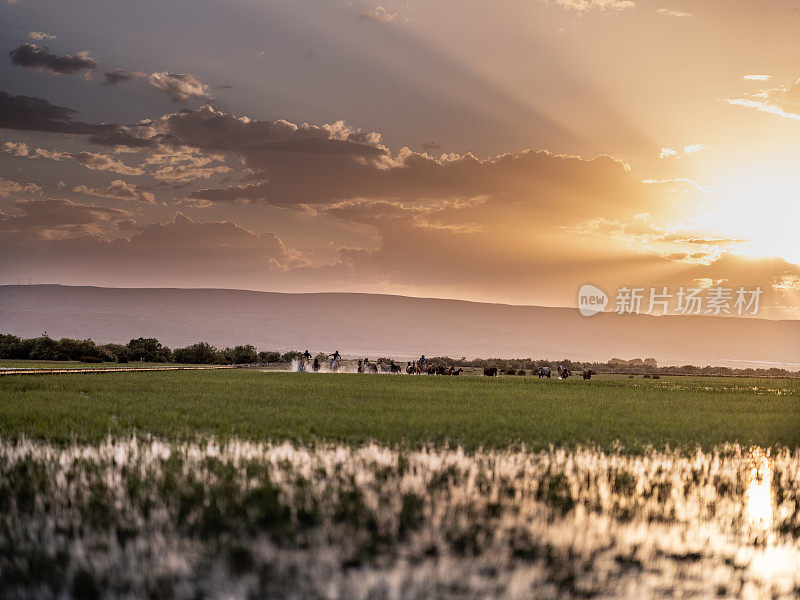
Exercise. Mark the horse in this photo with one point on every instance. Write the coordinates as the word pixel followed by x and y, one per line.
pixel 544 372
pixel 563 372
pixel 394 367
pixel 587 373
pixel 456 372
pixel 490 372
pixel 370 367
pixel 432 370
pixel 412 368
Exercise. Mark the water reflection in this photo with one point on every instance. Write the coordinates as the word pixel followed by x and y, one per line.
pixel 758 499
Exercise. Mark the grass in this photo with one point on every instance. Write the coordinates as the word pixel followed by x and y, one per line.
pixel 471 411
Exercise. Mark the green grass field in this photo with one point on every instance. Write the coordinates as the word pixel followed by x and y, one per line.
pixel 470 411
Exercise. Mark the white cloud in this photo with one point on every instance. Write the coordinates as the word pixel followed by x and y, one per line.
pixel 179 86
pixel 692 148
pixel 40 35
pixel 672 13
pixel 668 153
pixel 594 5
pixel 762 106
pixel 757 77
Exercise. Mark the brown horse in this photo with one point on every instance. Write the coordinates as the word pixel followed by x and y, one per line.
pixel 587 373
pixel 412 368
pixel 491 371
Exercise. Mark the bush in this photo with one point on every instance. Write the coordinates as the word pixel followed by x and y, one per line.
pixel 511 371
pixel 270 357
pixel 521 372
pixel 91 359
pixel 122 359
pixel 61 357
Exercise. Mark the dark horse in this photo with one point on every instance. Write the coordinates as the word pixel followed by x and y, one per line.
pixel 490 371
pixel 544 372
pixel 587 373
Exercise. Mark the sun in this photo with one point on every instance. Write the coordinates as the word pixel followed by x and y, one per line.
pixel 758 207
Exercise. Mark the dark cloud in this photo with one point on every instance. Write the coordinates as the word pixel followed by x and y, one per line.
pixel 121 76
pixel 31 56
pixel 26 113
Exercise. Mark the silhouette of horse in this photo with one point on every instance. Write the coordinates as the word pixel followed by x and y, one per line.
pixel 490 371
pixel 456 372
pixel 563 372
pixel 587 373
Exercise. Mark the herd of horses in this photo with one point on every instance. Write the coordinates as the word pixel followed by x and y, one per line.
pixel 563 372
pixel 414 368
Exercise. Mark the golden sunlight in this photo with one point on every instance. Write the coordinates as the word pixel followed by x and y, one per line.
pixel 758 497
pixel 759 206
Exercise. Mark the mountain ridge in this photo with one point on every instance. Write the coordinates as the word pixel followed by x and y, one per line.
pixel 383 324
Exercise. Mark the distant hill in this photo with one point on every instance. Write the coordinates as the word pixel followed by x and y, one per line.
pixel 382 325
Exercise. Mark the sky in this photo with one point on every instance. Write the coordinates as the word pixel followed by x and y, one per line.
pixel 507 151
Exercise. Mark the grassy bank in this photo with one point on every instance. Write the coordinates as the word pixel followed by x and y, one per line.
pixel 410 410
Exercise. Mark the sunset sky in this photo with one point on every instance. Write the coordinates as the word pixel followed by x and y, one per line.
pixel 504 151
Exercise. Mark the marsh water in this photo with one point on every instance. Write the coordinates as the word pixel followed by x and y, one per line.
pixel 140 517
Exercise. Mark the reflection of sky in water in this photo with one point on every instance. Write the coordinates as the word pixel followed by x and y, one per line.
pixel 758 500
pixel 510 524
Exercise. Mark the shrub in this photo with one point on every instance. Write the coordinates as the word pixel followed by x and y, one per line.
pixel 270 357
pixel 91 359
pixel 521 372
pixel 61 356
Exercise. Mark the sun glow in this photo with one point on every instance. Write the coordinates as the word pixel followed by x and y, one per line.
pixel 760 207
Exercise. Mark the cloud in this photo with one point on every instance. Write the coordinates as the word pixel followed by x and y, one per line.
pixel 55 219
pixel 31 56
pixel 184 164
pixel 118 190
pixel 783 101
pixel 19 149
pixel 692 148
pixel 26 113
pixel 757 77
pixel 583 6
pixel 179 86
pixel 377 15
pixel 9 188
pixel 672 13
pixel 103 162
pixel 120 76
pixel 668 153
pixel 40 35
pixel 61 235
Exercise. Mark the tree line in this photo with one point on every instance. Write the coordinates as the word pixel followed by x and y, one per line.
pixel 139 349
pixel 203 353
